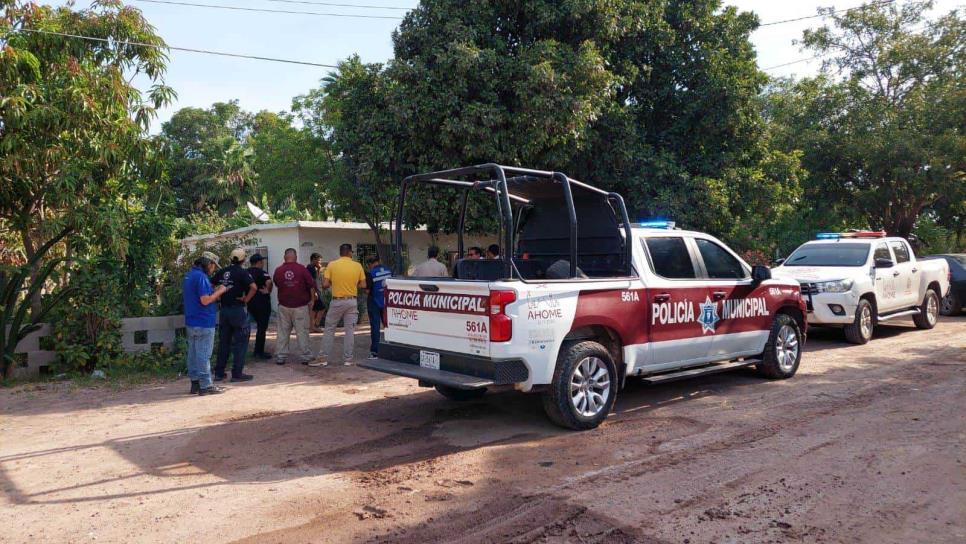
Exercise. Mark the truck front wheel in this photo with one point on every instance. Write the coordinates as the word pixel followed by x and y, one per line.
pixel 859 331
pixel 928 311
pixel 584 386
pixel 783 351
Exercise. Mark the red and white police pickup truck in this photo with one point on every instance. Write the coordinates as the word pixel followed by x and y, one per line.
pixel 581 300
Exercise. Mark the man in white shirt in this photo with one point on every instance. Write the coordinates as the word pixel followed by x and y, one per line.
pixel 430 268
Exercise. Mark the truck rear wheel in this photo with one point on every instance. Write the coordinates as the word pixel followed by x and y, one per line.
pixel 584 386
pixel 859 331
pixel 783 351
pixel 460 395
pixel 928 311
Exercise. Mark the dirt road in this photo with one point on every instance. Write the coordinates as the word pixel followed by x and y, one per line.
pixel 866 444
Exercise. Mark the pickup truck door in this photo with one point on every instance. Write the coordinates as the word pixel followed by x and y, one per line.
pixel 906 273
pixel 743 316
pixel 674 294
pixel 886 279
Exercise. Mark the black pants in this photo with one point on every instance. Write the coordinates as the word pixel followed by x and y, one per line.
pixel 233 333
pixel 261 316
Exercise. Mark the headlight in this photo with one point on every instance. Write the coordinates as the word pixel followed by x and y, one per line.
pixel 837 286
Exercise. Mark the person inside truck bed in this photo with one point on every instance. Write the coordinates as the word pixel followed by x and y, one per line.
pixel 493 251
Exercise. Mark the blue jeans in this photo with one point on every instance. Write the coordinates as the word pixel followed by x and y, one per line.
pixel 233 333
pixel 201 341
pixel 375 322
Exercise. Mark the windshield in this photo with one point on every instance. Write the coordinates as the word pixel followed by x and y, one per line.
pixel 837 254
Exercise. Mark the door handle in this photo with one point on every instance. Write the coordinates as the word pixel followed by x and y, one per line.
pixel 895 274
pixel 718 295
pixel 663 297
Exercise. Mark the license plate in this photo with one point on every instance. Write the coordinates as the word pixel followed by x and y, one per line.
pixel 429 359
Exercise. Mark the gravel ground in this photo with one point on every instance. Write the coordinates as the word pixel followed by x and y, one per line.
pixel 865 444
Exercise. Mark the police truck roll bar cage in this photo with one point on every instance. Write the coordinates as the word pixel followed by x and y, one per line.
pixel 523 186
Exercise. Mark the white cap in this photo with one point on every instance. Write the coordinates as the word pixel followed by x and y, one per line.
pixel 238 254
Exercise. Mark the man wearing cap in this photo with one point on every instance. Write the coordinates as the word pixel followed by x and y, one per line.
pixel 260 306
pixel 233 327
pixel 199 320
pixel 376 278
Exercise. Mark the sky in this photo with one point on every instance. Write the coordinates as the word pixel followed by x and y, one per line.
pixel 201 80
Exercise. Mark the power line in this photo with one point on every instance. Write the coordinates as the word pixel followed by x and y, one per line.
pixel 873 4
pixel 188 49
pixel 790 63
pixel 308 2
pixel 263 10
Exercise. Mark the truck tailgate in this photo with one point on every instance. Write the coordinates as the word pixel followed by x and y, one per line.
pixel 447 315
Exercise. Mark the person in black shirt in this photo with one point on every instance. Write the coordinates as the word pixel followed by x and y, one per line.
pixel 233 326
pixel 260 306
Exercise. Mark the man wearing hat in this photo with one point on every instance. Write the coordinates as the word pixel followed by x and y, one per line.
pixel 199 319
pixel 260 306
pixel 233 327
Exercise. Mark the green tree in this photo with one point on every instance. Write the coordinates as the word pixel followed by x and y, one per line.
pixel 210 163
pixel 883 129
pixel 73 152
pixel 290 164
pixel 353 120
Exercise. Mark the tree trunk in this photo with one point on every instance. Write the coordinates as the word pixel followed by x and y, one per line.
pixel 36 300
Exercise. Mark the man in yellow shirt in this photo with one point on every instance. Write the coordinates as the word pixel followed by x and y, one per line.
pixel 344 276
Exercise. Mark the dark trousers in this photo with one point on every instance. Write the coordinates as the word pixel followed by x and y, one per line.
pixel 233 333
pixel 375 323
pixel 261 317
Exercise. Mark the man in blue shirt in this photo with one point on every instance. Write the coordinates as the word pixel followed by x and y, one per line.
pixel 199 319
pixel 376 278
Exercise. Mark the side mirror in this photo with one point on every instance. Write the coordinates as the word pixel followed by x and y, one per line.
pixel 884 263
pixel 778 262
pixel 760 273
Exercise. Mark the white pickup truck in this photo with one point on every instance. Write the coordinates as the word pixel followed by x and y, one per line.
pixel 858 279
pixel 581 299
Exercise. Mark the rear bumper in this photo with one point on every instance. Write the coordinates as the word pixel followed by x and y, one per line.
pixel 455 369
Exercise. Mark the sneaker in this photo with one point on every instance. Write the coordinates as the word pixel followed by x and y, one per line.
pixel 213 390
pixel 280 361
pixel 242 378
pixel 195 387
pixel 373 356
pixel 219 378
pixel 316 364
pixel 263 356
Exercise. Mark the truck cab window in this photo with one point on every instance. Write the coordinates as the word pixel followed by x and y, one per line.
pixel 901 251
pixel 670 258
pixel 719 263
pixel 882 252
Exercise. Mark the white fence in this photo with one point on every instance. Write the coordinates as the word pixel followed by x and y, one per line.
pixel 137 334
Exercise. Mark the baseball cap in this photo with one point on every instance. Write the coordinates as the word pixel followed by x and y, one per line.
pixel 211 257
pixel 238 254
pixel 256 258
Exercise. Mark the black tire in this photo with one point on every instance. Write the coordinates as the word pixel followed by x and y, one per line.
pixel 928 314
pixel 460 395
pixel 855 332
pixel 783 351
pixel 951 305
pixel 560 402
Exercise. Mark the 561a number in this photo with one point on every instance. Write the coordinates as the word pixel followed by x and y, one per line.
pixel 476 326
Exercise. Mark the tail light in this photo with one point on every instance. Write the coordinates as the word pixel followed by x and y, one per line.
pixel 501 326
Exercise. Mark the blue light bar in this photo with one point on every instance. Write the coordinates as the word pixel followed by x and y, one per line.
pixel 657 224
pixel 828 236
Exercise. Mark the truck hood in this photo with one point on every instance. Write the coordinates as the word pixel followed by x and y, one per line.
pixel 816 273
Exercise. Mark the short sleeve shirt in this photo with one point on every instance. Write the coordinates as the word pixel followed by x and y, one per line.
pixel 345 275
pixel 237 281
pixel 293 284
pixel 260 277
pixel 195 286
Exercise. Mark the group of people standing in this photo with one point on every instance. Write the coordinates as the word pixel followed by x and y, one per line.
pixel 244 295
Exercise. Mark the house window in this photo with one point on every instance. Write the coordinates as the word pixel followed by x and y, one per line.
pixel 363 251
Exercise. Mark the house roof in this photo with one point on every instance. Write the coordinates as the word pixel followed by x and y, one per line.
pixel 333 225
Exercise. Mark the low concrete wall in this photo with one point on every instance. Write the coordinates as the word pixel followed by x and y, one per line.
pixel 137 334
